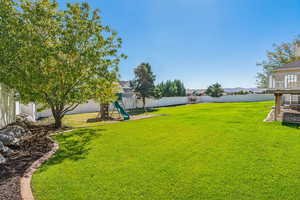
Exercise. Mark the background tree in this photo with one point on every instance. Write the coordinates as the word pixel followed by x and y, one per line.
pixel 54 54
pixel 172 88
pixel 105 92
pixel 143 83
pixel 157 93
pixel 280 55
pixel 181 91
pixel 215 90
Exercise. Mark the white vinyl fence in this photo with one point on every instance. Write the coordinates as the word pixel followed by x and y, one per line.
pixel 30 110
pixel 132 103
pixel 7 106
pixel 88 107
pixel 236 98
pixel 165 101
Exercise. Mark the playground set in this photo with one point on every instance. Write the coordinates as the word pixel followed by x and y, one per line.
pixel 121 109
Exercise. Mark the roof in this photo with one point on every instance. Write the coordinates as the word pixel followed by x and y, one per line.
pixel 125 84
pixel 125 87
pixel 290 66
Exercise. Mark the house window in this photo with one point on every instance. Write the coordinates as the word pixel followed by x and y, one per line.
pixel 290 80
pixel 271 82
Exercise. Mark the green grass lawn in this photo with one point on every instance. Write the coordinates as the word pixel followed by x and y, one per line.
pixel 203 151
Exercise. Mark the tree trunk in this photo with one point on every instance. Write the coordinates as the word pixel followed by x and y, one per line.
pixel 144 103
pixel 58 122
pixel 57 118
pixel 104 112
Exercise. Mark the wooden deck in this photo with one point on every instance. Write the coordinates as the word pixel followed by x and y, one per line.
pixel 286 91
pixel 286 115
pixel 278 99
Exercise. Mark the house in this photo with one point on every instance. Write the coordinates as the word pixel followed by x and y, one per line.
pixel 126 87
pixel 195 92
pixel 284 82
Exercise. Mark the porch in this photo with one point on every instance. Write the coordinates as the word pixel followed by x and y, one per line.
pixel 287 109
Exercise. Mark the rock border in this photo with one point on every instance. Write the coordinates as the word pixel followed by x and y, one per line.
pixel 25 180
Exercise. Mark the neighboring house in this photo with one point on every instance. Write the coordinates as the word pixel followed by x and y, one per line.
pixel 8 107
pixel 195 92
pixel 126 90
pixel 125 86
pixel 285 84
pixel 189 92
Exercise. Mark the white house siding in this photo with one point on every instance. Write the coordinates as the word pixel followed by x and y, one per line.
pixel 7 106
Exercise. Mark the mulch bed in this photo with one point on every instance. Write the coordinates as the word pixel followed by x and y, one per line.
pixel 30 150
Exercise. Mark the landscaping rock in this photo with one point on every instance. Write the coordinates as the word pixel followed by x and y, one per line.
pixel 14 130
pixel 2 159
pixel 24 119
pixel 8 139
pixel 12 134
pixel 11 137
pixel 4 149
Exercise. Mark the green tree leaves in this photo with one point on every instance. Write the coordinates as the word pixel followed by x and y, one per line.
pixel 143 83
pixel 215 90
pixel 53 56
pixel 172 88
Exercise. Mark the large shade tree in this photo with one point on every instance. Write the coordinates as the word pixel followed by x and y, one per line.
pixel 281 54
pixel 51 56
pixel 143 83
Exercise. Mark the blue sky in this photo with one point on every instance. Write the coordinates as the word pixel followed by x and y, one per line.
pixel 200 41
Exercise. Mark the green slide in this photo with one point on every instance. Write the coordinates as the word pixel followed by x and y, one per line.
pixel 122 111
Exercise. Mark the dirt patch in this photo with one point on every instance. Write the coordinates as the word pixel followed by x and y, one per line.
pixel 135 117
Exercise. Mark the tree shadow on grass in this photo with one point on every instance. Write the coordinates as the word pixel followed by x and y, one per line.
pixel 73 146
pixel 291 125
